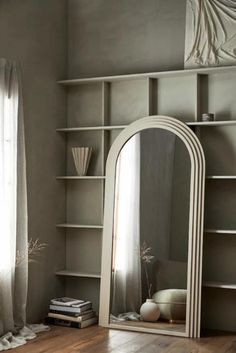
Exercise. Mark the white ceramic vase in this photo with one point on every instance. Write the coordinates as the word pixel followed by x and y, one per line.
pixel 81 157
pixel 149 311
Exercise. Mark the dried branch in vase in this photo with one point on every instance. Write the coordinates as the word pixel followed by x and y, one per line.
pixel 146 259
pixel 33 250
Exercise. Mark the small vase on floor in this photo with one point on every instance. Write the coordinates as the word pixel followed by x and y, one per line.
pixel 149 311
pixel 81 157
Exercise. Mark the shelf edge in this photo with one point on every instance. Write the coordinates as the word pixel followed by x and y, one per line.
pixel 77 274
pixel 220 285
pixel 220 231
pixel 82 226
pixel 87 80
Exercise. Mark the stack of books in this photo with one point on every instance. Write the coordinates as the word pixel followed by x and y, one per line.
pixel 71 312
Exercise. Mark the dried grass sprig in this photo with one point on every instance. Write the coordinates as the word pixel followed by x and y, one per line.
pixel 33 250
pixel 146 259
pixel 144 253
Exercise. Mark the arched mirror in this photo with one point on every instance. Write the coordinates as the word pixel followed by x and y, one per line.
pixel 152 241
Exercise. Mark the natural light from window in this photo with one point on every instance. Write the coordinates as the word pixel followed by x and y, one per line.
pixel 7 184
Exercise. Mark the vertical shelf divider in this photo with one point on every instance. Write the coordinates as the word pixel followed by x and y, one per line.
pixel 105 134
pixel 152 108
pixel 201 99
pixel 66 230
pixel 197 102
pixel 197 106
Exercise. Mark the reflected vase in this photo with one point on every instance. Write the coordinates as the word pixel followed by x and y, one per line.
pixel 81 156
pixel 149 311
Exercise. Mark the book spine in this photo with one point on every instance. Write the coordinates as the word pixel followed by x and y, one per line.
pixel 70 309
pixel 66 313
pixel 81 305
pixel 59 322
pixel 72 318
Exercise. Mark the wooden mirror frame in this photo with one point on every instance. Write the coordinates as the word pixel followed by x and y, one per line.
pixel 196 214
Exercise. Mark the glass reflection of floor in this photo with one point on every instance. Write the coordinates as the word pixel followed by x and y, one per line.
pixel 159 325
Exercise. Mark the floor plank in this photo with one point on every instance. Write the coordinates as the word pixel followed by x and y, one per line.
pixel 154 325
pixel 96 339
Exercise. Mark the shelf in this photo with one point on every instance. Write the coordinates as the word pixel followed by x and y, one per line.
pixel 82 226
pixel 67 273
pixel 221 177
pixel 219 231
pixel 212 70
pixel 86 177
pixel 102 177
pixel 121 127
pixel 212 123
pixel 222 285
pixel 91 128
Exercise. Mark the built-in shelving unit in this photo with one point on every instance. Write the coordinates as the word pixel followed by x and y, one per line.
pixel 98 109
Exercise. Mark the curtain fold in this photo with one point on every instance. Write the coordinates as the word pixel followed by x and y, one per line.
pixel 13 202
pixel 126 289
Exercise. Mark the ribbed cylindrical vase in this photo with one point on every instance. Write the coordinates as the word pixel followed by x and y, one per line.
pixel 81 157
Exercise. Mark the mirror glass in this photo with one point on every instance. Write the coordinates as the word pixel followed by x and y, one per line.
pixel 150 232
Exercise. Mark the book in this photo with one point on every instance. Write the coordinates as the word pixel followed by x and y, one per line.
pixel 81 305
pixel 82 324
pixel 66 313
pixel 65 301
pixel 73 318
pixel 71 309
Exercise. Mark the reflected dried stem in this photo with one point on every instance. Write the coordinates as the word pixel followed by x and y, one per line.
pixel 146 259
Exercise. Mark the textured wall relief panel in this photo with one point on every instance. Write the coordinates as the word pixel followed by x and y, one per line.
pixel 210 33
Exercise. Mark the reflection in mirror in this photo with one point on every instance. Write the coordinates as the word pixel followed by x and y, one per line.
pixel 150 232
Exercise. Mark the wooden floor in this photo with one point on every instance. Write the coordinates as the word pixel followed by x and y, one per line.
pixel 154 325
pixel 100 340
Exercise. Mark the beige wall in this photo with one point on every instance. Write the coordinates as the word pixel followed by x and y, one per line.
pixel 34 33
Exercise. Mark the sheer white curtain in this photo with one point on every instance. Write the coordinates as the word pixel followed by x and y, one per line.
pixel 13 204
pixel 126 291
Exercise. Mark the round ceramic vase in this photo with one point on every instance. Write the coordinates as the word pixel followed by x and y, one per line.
pixel 149 311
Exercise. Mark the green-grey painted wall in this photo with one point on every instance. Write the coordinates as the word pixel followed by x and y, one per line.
pixel 109 37
pixel 34 33
pixel 103 37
